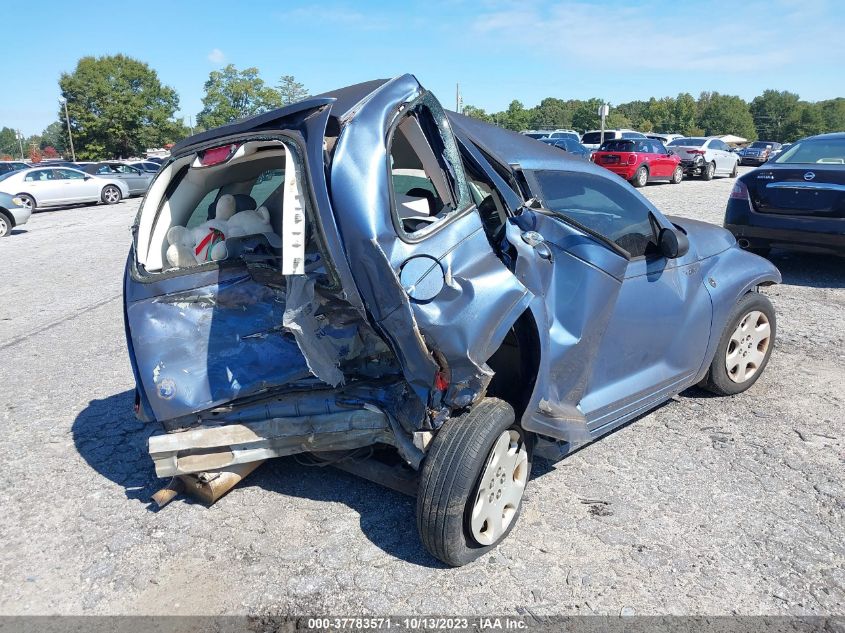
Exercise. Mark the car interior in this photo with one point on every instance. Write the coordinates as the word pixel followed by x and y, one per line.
pixel 187 192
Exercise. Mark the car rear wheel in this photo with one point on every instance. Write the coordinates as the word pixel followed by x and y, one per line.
pixel 5 225
pixel 677 175
pixel 709 171
pixel 111 194
pixel 735 171
pixel 640 178
pixel 472 483
pixel 745 346
pixel 27 201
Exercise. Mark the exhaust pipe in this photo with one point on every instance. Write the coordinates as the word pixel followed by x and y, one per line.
pixel 743 243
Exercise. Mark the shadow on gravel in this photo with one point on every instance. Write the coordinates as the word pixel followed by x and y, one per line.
pixel 387 518
pixel 810 269
pixel 114 443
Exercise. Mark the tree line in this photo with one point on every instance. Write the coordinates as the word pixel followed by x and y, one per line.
pixel 118 107
pixel 773 116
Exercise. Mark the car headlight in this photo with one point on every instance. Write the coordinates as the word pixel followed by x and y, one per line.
pixel 18 201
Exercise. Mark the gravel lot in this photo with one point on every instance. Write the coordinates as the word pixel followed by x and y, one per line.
pixel 712 505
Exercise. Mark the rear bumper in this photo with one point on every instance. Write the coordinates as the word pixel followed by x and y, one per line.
pixel 624 170
pixel 761 230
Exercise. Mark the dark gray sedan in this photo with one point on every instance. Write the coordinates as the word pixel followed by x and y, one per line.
pixel 136 180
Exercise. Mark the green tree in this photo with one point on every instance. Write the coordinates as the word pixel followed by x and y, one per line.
pixel 516 117
pixel 477 113
pixel 586 115
pixel 232 94
pixel 833 111
pixel 9 145
pixel 551 114
pixel 725 114
pixel 773 111
pixel 659 112
pixel 290 90
pixel 683 114
pixel 117 107
pixel 807 120
pixel 55 136
pixel 617 120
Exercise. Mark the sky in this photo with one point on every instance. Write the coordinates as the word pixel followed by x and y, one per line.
pixel 498 50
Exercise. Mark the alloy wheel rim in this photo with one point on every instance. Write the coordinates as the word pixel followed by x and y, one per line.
pixel 26 203
pixel 748 346
pixel 500 489
pixel 711 169
pixel 111 196
pixel 4 226
pixel 677 175
pixel 643 177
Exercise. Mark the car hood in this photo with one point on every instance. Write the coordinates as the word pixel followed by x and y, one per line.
pixel 705 239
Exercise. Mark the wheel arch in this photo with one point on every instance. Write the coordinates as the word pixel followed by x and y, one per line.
pixel 26 193
pixel 9 217
pixel 516 364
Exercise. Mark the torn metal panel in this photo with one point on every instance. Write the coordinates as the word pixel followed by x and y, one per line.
pixel 210 448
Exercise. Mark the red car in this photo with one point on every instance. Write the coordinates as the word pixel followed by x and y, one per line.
pixel 640 161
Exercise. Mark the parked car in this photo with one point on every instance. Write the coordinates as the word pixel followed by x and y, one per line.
pixel 776 152
pixel 536 134
pixel 53 186
pixel 424 263
pixel 705 157
pixel 640 161
pixel 12 165
pixel 664 138
pixel 137 181
pixel 12 213
pixel 568 145
pixel 593 138
pixel 146 166
pixel 570 134
pixel 795 201
pixel 759 152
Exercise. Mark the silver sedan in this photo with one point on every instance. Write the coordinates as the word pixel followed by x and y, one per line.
pixel 12 213
pixel 56 186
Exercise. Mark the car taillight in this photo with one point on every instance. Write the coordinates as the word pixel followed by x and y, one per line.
pixel 695 151
pixel 632 158
pixel 740 191
pixel 217 155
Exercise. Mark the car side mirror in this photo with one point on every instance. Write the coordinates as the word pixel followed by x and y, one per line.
pixel 672 243
pixel 88 177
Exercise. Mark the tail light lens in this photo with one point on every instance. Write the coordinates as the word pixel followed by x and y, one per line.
pixel 217 155
pixel 696 151
pixel 740 191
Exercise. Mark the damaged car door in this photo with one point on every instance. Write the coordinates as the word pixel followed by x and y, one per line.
pixel 422 250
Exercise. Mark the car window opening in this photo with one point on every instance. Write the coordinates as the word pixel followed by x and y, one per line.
pixel 231 212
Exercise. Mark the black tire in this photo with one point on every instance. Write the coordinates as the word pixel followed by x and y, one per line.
pixel 717 379
pixel 27 201
pixel 677 175
pixel 6 225
pixel 708 172
pixel 110 195
pixel 735 171
pixel 640 178
pixel 450 479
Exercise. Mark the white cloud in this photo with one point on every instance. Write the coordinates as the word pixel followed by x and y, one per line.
pixel 728 37
pixel 216 56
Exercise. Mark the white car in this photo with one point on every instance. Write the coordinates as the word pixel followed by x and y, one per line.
pixel 54 186
pixel 705 157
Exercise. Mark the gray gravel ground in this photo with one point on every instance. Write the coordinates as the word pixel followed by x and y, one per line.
pixel 712 505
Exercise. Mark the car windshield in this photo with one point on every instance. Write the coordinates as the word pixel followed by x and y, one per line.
pixel 830 151
pixel 688 142
pixel 594 138
pixel 7 174
pixel 568 135
pixel 760 145
pixel 536 135
pixel 618 146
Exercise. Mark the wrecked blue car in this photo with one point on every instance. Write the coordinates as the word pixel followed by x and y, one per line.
pixel 437 295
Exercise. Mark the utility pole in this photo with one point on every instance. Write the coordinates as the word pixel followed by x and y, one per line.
pixel 604 110
pixel 63 101
pixel 191 124
pixel 20 143
pixel 458 101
